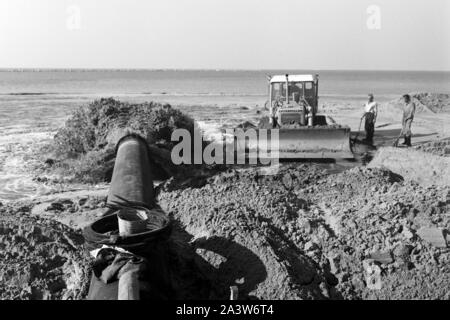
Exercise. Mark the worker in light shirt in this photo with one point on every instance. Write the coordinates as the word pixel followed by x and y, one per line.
pixel 408 117
pixel 370 115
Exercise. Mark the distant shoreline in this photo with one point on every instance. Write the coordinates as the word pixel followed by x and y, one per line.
pixel 209 70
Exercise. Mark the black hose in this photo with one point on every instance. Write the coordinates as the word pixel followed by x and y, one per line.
pixel 359 129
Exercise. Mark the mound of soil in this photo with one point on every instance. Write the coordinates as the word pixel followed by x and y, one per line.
pixel 434 101
pixel 39 258
pixel 440 147
pixel 426 102
pixel 232 221
pixel 300 234
pixel 378 218
pixel 422 167
pixel 83 150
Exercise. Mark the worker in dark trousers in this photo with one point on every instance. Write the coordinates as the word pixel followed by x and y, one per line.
pixel 408 117
pixel 370 114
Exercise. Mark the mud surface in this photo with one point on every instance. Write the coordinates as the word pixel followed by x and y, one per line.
pixel 365 233
pixel 299 232
pixel 40 258
pixel 296 232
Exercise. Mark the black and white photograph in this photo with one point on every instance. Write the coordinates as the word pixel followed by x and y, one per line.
pixel 236 152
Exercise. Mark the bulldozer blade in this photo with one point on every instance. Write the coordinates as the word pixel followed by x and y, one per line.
pixel 303 143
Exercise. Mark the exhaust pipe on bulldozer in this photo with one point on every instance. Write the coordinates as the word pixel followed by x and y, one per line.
pixel 287 89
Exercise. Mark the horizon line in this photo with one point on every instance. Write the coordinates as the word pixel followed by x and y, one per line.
pixel 60 69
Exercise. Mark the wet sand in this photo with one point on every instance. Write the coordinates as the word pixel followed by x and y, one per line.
pixel 24 130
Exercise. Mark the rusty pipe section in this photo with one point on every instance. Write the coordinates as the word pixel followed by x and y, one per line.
pixel 132 177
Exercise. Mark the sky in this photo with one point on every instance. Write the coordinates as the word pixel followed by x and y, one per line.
pixel 226 34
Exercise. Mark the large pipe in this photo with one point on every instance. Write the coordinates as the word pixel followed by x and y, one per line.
pixel 132 185
pixel 129 286
pixel 132 179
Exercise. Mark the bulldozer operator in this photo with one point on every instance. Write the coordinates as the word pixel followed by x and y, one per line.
pixel 296 99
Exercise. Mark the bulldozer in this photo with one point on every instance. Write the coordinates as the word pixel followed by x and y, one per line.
pixel 303 133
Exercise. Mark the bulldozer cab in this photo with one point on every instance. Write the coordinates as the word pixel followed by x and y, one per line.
pixel 290 90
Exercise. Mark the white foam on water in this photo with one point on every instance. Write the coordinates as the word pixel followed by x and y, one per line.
pixel 15 187
pixel 15 182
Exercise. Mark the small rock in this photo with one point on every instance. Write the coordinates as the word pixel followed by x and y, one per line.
pixel 432 235
pixel 394 187
pixel 46 295
pixel 49 162
pixel 383 257
pixel 23 209
pixel 402 252
pixel 67 202
pixel 55 206
pixel 331 279
pixel 430 211
pixel 82 201
pixel 305 225
pixel 288 181
pixel 357 283
pixel 408 265
pixel 343 277
pixel 311 246
pixel 35 230
pixel 373 274
pixel 334 264
pixel 407 233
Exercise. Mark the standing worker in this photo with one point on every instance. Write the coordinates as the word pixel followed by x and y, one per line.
pixel 408 116
pixel 370 113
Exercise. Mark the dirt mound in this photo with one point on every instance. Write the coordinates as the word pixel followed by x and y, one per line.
pixel 424 168
pixel 299 234
pixel 357 181
pixel 39 258
pixel 379 221
pixel 435 102
pixel 84 148
pixel 240 223
pixel 440 147
pixel 425 102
